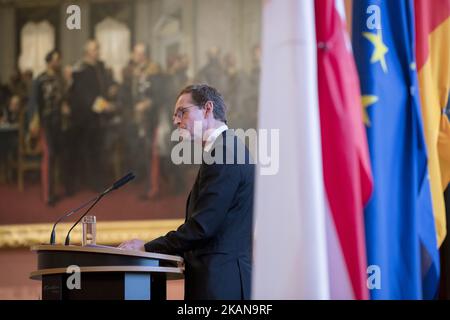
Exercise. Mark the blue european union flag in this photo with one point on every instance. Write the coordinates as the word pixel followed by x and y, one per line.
pixel 400 231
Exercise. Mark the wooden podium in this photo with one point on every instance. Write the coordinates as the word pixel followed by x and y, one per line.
pixel 105 273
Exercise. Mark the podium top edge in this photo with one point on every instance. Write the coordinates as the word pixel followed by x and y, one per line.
pixel 171 273
pixel 107 250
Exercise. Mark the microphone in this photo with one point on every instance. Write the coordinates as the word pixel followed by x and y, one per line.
pixel 95 199
pixel 119 183
pixel 125 179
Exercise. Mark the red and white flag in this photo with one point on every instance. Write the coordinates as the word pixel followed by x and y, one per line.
pixel 309 228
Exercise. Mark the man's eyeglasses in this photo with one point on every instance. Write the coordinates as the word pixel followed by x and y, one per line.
pixel 180 112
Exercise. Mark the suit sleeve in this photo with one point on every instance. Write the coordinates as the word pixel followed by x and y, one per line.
pixel 218 185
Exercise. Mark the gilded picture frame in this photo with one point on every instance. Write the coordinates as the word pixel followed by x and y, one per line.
pixel 108 233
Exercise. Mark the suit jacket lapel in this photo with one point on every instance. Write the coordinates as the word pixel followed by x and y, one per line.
pixel 192 196
pixel 194 191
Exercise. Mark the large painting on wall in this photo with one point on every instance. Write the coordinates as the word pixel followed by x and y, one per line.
pixel 69 130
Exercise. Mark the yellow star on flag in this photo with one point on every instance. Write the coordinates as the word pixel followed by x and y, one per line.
pixel 366 102
pixel 380 49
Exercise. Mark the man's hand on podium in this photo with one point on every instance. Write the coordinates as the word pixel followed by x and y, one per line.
pixel 135 244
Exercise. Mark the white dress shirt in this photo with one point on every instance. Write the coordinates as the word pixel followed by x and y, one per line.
pixel 212 136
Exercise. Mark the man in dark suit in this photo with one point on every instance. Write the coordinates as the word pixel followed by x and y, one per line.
pixel 47 102
pixel 216 238
pixel 89 97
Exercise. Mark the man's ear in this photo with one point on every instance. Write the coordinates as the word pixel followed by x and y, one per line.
pixel 209 107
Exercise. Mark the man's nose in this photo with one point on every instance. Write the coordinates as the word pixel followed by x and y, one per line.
pixel 176 121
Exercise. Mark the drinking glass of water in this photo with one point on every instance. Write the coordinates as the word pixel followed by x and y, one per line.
pixel 89 230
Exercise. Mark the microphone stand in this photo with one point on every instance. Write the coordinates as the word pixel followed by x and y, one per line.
pixel 53 234
pixel 130 176
pixel 67 242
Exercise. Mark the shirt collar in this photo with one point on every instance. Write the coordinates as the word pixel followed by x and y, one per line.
pixel 212 136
